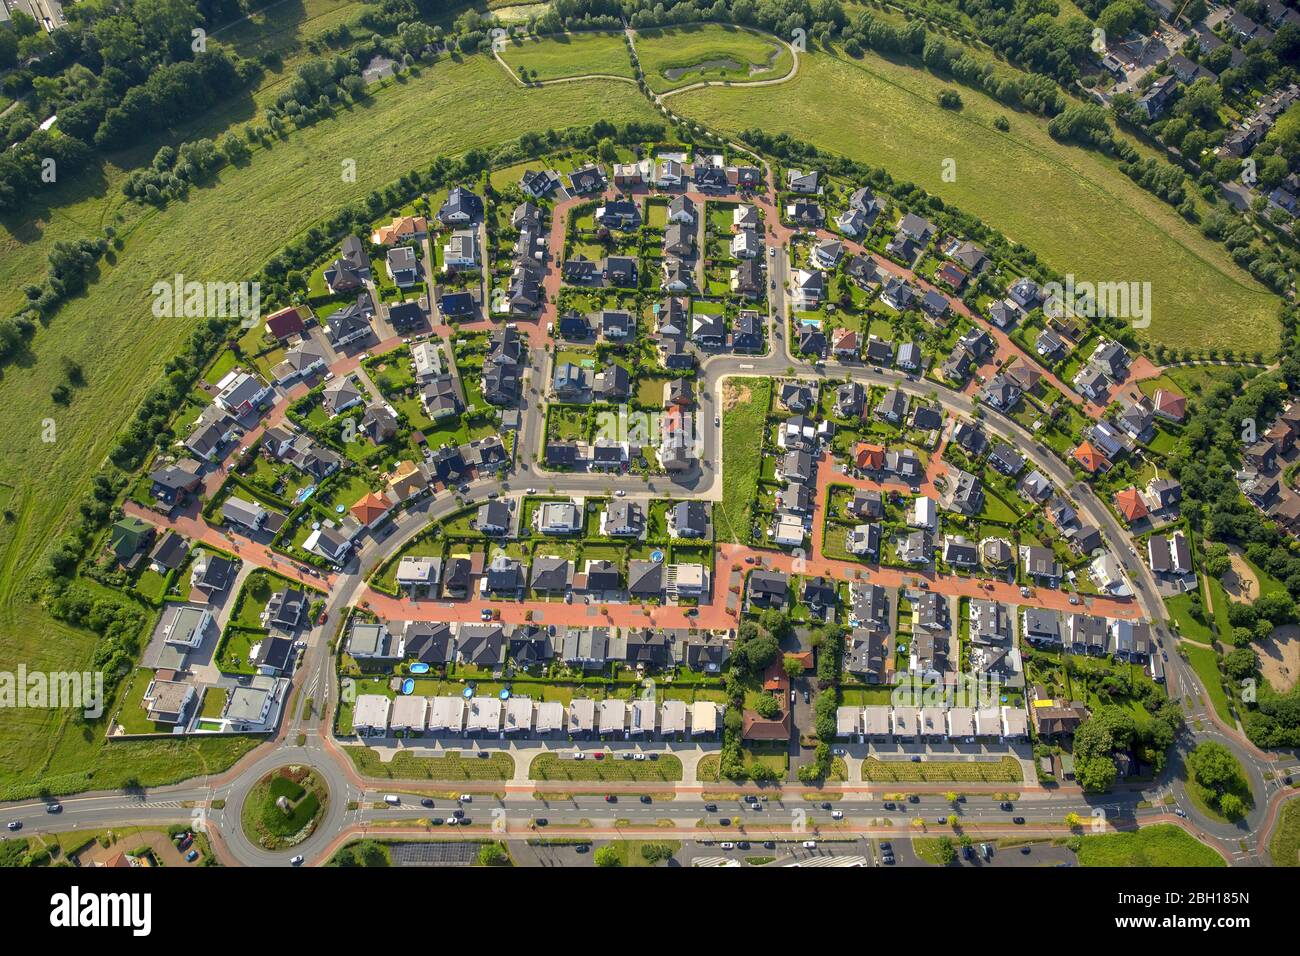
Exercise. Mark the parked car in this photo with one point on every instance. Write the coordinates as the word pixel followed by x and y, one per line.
pixel 436 821
pixel 191 856
pixel 810 844
pixel 726 846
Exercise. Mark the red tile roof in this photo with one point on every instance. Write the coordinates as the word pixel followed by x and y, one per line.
pixel 1090 458
pixel 1130 504
pixel 285 323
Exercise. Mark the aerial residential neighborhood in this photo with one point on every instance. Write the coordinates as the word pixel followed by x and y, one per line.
pixel 607 435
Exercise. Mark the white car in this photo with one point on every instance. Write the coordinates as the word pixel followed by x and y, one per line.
pixel 810 844
pixel 726 846
pixel 532 491
pixel 638 756
pixel 620 492
pixel 580 756
pixel 771 251
pixel 466 798
pixel 837 814
pixel 296 861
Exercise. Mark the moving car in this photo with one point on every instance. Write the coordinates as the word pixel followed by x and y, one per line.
pixel 837 814
pixel 54 808
pixel 426 802
pixel 295 860
pixel 14 824
pixel 1019 821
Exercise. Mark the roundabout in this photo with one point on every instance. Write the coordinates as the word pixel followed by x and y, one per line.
pixel 284 807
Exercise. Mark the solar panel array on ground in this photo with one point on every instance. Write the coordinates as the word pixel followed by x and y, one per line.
pixel 433 854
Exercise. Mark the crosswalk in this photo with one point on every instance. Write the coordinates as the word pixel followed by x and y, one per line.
pixel 830 861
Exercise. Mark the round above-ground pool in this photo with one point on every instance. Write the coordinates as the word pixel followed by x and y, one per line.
pixel 656 555
pixel 408 685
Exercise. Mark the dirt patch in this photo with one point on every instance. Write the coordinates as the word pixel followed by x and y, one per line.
pixel 733 395
pixel 1279 657
pixel 1241 582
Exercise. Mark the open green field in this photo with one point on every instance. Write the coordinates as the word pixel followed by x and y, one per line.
pixel 744 414
pixel 1160 845
pixel 1071 206
pixel 709 51
pixel 570 54
pixel 224 232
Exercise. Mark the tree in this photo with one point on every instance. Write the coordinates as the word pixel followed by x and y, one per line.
pixel 946 851
pixel 1073 820
pixel 1232 806
pixel 1095 774
pixel 606 856
pixel 792 665
pixel 1213 766
pixel 492 854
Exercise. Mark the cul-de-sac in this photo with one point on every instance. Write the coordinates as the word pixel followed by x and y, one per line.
pixel 764 433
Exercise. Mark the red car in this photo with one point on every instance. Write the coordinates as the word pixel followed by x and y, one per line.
pixel 599 755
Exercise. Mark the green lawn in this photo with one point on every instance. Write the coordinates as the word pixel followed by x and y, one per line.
pixel 1284 848
pixel 1160 845
pixel 742 455
pixel 449 108
pixel 683 55
pixel 1180 609
pixel 1071 206
pixel 572 54
pixel 269 825
pixel 667 768
pixel 1203 661
pixel 408 765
